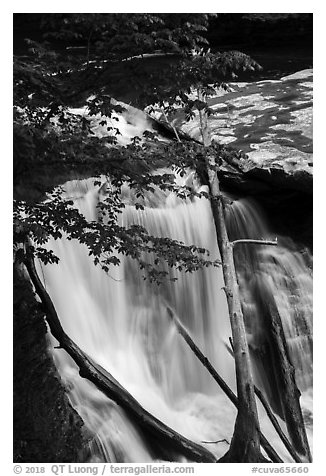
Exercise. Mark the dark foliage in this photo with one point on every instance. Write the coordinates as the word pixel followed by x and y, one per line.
pixel 51 140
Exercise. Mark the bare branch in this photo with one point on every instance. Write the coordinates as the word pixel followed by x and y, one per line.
pixel 171 125
pixel 254 242
pixel 224 440
pixel 219 380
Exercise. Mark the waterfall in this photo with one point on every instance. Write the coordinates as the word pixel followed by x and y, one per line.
pixel 283 272
pixel 120 320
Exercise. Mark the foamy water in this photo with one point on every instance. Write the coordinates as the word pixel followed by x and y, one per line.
pixel 121 321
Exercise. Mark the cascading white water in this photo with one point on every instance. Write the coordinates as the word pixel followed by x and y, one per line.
pixel 121 321
pixel 281 272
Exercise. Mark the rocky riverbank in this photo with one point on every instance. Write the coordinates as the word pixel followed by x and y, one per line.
pixel 271 121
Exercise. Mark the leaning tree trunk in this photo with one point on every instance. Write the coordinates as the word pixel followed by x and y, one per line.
pixel 291 403
pixel 245 444
pixel 164 437
pixel 285 375
pixel 229 393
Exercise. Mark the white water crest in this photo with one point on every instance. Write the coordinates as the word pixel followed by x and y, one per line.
pixel 120 320
pixel 282 273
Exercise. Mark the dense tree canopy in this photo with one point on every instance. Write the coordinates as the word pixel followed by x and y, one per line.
pixel 94 59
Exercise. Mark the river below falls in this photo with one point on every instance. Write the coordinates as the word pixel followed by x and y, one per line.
pixel 120 320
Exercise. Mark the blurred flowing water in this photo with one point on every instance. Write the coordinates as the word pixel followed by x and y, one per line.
pixel 120 320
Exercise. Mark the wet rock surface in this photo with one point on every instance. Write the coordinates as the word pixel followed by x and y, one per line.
pixel 46 428
pixel 271 121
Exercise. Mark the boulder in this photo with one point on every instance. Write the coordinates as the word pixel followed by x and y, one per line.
pixel 271 122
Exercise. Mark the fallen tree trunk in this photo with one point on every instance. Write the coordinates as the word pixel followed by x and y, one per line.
pixel 285 375
pixel 220 381
pixel 272 418
pixel 164 436
pixel 294 418
pixel 242 359
pixel 277 427
pixel 284 370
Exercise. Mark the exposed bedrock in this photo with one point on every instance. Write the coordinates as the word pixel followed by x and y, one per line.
pixel 271 122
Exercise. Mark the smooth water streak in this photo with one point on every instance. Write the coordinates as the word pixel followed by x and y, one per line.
pixel 121 321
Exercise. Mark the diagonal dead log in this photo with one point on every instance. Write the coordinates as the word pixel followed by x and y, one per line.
pixel 163 435
pixel 247 410
pixel 293 413
pixel 219 380
pixel 277 427
pixel 285 378
pixel 272 417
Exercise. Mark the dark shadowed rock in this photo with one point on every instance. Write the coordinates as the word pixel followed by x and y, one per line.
pixel 46 428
